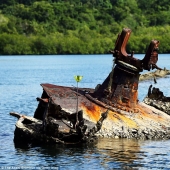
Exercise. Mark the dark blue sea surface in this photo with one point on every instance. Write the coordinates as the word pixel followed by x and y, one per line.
pixel 20 81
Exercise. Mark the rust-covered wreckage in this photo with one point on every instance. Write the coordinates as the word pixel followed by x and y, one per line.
pixel 157 99
pixel 111 109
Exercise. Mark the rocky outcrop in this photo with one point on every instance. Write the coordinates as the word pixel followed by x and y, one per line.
pixel 154 75
pixel 157 99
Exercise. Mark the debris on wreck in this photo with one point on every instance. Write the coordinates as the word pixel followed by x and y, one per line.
pixel 112 109
pixel 160 73
pixel 61 130
pixel 156 98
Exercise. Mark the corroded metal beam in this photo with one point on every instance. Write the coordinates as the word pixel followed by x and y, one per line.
pixel 121 85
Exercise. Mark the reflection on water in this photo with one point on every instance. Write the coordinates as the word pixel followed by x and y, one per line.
pixel 122 150
pixel 136 154
pixel 107 153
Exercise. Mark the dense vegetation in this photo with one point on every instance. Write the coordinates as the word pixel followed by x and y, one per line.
pixel 81 26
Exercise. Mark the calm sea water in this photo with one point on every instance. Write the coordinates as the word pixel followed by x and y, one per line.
pixel 20 81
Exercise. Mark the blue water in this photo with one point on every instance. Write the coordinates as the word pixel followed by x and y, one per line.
pixel 20 81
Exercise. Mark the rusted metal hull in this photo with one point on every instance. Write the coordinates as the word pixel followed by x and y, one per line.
pixel 141 122
pixel 66 97
pixel 30 131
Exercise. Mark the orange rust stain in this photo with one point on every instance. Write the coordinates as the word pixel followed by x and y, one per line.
pixel 135 96
pixel 135 85
pixel 93 111
pixel 118 117
pixel 111 115
pixel 128 121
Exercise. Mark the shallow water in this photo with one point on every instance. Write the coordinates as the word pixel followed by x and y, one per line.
pixel 21 77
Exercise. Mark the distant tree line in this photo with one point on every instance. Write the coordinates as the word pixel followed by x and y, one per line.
pixel 81 26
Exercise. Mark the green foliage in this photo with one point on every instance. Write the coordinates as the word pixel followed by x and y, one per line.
pixel 81 26
pixel 14 44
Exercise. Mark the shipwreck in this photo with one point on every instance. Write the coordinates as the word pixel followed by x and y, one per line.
pixel 111 109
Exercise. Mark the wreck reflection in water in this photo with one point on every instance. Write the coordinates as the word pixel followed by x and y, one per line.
pixel 135 154
pixel 106 154
pixel 120 150
pixel 20 85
